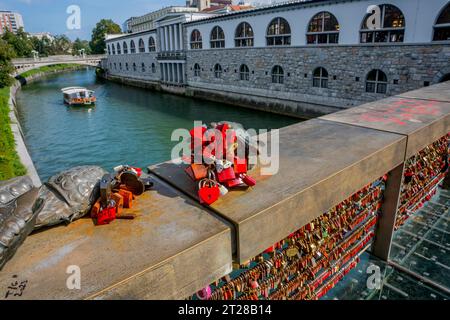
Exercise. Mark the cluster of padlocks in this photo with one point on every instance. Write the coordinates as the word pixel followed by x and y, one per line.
pixel 310 261
pixel 422 174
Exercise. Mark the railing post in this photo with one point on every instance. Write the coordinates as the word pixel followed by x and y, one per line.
pixel 386 223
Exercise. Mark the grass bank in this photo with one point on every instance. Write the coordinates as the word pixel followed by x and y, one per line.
pixel 10 165
pixel 52 68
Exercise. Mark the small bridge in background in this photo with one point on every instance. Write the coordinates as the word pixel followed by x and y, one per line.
pixel 25 64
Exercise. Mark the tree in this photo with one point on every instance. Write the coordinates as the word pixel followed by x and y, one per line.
pixel 20 42
pixel 79 44
pixel 42 45
pixel 6 67
pixel 102 28
pixel 61 45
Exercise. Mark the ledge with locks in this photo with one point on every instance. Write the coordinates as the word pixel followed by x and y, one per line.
pixel 216 175
pixel 311 260
pixel 422 174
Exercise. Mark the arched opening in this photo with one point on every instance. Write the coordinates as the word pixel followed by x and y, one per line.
pixel 278 33
pixel 392 28
pixel 151 44
pixel 442 26
pixel 323 28
pixel 217 38
pixel 243 36
pixel 217 71
pixel 196 39
pixel 376 82
pixel 244 73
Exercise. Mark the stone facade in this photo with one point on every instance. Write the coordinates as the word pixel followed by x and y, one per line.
pixel 148 59
pixel 407 67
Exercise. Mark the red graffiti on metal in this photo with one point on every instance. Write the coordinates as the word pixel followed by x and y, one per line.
pixel 403 110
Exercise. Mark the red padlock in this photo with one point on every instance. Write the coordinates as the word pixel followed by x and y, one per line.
pixel 240 165
pixel 138 171
pixel 106 215
pixel 233 183
pixel 226 174
pixel 208 191
pixel 247 180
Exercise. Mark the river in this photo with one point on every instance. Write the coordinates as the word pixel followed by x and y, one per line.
pixel 127 126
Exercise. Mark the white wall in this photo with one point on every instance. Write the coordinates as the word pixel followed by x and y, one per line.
pixel 128 39
pixel 420 17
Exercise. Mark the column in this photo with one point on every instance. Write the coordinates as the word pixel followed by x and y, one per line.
pixel 180 77
pixel 161 71
pixel 175 72
pixel 181 36
pixel 176 36
pixel 166 39
pixel 172 38
pixel 386 223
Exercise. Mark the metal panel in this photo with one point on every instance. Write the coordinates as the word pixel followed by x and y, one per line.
pixel 423 121
pixel 172 249
pixel 321 164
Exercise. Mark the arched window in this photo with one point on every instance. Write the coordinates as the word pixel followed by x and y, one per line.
pixel 134 66
pixel 110 65
pixel 320 78
pixel 143 67
pixel 132 47
pixel 126 66
pixel 115 66
pixel 217 38
pixel 151 44
pixel 120 65
pixel 141 46
pixel 109 49
pixel 277 75
pixel 118 49
pixel 153 68
pixel 196 40
pixel 376 82
pixel 113 49
pixel 125 48
pixel 244 73
pixel 197 70
pixel 244 35
pixel 442 26
pixel 278 33
pixel 217 71
pixel 323 28
pixel 392 26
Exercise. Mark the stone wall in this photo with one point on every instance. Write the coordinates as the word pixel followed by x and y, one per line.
pixel 138 59
pixel 407 67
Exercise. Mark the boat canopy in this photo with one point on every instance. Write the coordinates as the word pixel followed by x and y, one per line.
pixel 72 90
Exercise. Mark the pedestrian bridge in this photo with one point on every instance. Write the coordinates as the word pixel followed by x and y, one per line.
pixel 25 64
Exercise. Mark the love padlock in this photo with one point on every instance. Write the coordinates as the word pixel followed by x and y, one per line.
pixel 208 191
pixel 106 215
pixel 223 190
pixel 247 180
pixel 226 174
pixel 205 293
pixel 240 165
pixel 233 183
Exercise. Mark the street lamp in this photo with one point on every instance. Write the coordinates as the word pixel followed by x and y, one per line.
pixel 35 55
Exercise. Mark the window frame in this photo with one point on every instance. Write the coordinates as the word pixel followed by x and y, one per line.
pixel 197 43
pixel 377 83
pixel 218 70
pixel 244 72
pixel 132 47
pixel 247 40
pixel 217 43
pixel 125 47
pixel 277 78
pixel 439 27
pixel 320 81
pixel 141 45
pixel 197 70
pixel 284 37
pixel 327 33
pixel 151 44
pixel 388 31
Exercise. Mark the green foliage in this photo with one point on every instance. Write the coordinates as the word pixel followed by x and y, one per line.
pixel 6 68
pixel 52 68
pixel 10 165
pixel 20 42
pixel 79 45
pixel 102 28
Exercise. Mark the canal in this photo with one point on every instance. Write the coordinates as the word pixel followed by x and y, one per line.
pixel 127 126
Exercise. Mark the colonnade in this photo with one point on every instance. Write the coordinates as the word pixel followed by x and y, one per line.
pixel 170 37
pixel 172 72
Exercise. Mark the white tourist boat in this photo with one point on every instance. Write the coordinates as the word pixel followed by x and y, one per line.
pixel 78 96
